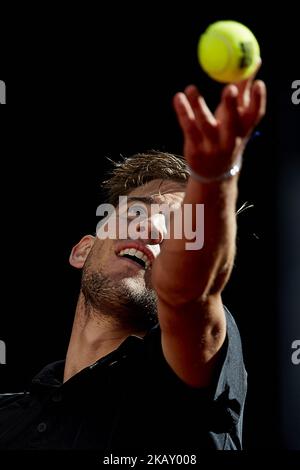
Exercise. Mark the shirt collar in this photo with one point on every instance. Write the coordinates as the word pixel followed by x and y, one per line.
pixel 51 376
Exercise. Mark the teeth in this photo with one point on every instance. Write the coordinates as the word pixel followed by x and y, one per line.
pixel 137 253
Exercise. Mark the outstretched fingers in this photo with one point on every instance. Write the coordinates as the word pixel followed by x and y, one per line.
pixel 241 108
pixel 229 116
pixel 244 88
pixel 258 101
pixel 186 117
pixel 252 115
pixel 205 120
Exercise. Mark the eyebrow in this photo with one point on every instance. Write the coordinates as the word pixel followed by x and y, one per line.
pixel 146 199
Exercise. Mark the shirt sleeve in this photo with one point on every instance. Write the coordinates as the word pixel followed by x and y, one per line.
pixel 220 406
pixel 229 387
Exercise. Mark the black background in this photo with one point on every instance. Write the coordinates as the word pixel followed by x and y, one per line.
pixel 84 85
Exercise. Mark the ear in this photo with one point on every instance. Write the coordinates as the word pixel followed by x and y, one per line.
pixel 80 251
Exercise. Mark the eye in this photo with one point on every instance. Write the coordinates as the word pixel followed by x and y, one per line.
pixel 137 210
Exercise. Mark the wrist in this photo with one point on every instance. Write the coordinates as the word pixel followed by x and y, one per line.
pixel 227 175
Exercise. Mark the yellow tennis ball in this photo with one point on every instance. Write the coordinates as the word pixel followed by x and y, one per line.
pixel 228 51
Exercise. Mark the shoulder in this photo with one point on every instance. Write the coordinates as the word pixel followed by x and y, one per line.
pixel 219 406
pixel 233 351
pixel 229 377
pixel 8 398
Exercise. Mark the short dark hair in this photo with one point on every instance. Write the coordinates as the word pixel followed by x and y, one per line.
pixel 141 168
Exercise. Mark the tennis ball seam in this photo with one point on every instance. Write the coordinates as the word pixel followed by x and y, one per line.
pixel 227 43
pixel 228 51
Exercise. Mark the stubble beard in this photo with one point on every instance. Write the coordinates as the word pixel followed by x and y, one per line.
pixel 124 302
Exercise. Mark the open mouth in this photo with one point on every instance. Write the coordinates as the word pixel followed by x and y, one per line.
pixel 136 255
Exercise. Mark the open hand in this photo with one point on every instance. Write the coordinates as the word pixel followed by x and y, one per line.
pixel 213 142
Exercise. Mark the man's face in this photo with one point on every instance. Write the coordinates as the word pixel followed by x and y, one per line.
pixel 117 272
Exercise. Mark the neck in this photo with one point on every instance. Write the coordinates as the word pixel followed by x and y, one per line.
pixel 94 335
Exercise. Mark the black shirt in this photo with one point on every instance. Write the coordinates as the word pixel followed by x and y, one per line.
pixel 129 400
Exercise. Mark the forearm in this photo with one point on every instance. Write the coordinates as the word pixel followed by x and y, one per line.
pixel 182 275
pixel 212 144
pixel 189 282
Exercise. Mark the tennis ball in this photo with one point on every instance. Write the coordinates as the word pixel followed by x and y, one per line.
pixel 228 51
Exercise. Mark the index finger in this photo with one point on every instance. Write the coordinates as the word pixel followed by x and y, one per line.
pixel 244 87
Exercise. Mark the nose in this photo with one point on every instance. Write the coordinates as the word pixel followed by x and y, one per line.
pixel 153 229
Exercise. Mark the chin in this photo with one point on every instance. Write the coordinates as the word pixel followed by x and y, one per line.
pixel 136 285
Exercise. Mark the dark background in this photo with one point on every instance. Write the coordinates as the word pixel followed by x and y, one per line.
pixel 93 84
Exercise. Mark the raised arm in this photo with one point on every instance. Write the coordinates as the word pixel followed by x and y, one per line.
pixel 189 282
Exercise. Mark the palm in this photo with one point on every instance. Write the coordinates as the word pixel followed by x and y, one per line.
pixel 212 142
